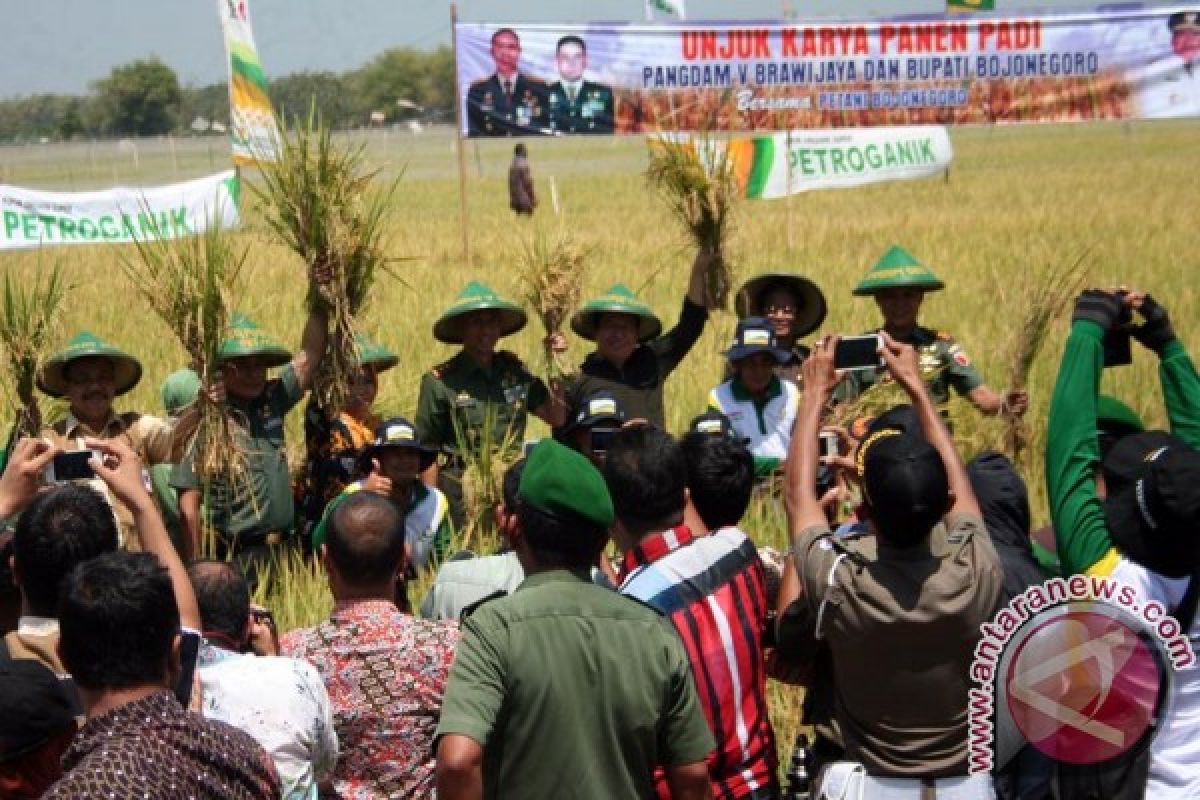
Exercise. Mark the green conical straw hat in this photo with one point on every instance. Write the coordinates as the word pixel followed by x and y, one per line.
pixel 898 268
pixel 477 296
pixel 127 370
pixel 619 299
pixel 247 339
pixel 373 354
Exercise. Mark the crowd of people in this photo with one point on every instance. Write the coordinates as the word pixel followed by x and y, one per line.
pixel 620 641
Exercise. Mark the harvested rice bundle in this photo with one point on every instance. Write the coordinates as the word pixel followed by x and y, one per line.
pixel 190 283
pixel 698 180
pixel 27 326
pixel 551 274
pixel 321 201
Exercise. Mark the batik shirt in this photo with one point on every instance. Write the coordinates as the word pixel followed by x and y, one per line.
pixel 385 672
pixel 153 749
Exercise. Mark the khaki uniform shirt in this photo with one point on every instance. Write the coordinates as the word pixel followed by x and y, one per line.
pixel 460 397
pixel 902 625
pixel 149 437
pixel 569 674
pixel 270 506
pixel 944 365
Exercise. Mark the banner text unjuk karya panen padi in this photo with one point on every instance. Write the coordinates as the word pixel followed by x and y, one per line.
pixel 948 70
pixel 33 218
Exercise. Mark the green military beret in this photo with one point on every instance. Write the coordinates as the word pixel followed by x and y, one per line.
pixel 179 390
pixel 373 354
pixel 619 299
pixel 477 296
pixel 52 380
pixel 1114 415
pixel 247 339
pixel 557 479
pixel 898 268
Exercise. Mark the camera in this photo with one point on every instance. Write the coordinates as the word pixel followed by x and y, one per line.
pixel 857 353
pixel 601 436
pixel 1118 350
pixel 72 466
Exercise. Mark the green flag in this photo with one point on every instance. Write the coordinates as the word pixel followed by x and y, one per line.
pixel 970 5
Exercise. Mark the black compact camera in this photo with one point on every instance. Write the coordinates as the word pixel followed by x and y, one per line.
pixel 1118 349
pixel 601 436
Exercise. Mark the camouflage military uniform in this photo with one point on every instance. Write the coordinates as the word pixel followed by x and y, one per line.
pixel 944 365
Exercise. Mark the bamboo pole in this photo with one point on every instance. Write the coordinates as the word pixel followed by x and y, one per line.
pixel 458 137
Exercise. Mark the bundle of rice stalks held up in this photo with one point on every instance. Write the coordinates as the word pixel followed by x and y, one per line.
pixel 321 202
pixel 698 180
pixel 551 274
pixel 27 327
pixel 190 283
pixel 1044 302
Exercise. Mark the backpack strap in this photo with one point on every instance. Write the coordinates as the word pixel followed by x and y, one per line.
pixel 829 584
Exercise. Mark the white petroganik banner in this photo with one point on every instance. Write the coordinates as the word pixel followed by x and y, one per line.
pixel 800 161
pixel 32 217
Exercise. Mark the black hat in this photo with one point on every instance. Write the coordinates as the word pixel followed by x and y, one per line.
pixel 599 406
pixel 810 302
pixel 756 335
pixel 399 432
pixel 34 708
pixel 1153 505
pixel 713 423
pixel 904 481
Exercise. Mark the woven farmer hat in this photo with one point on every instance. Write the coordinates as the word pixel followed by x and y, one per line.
pixel 247 339
pixel 898 268
pixel 619 299
pixel 477 296
pixel 52 380
pixel 810 301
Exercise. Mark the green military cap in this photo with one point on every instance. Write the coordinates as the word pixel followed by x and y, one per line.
pixel 247 339
pixel 556 479
pixel 373 354
pixel 898 268
pixel 179 390
pixel 810 301
pixel 1112 414
pixel 477 296
pixel 52 380
pixel 619 299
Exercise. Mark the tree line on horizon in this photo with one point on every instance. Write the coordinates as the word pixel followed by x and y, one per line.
pixel 145 98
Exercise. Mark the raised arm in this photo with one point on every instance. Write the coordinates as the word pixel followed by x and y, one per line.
pixel 902 363
pixel 675 344
pixel 121 470
pixel 1177 373
pixel 820 378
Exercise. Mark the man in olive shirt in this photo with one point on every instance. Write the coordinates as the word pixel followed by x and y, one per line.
pixel 631 360
pixel 901 602
pixel 480 398
pixel 566 674
pixel 252 526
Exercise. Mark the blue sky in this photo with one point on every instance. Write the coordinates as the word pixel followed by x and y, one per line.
pixel 63 45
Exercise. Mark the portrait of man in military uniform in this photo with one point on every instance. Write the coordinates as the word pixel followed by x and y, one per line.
pixel 1170 86
pixel 509 103
pixel 577 105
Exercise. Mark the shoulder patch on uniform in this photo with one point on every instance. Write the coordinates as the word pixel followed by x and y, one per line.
pixel 439 370
pixel 473 607
pixel 944 336
pixel 480 82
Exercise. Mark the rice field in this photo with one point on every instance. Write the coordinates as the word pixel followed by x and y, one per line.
pixel 1018 203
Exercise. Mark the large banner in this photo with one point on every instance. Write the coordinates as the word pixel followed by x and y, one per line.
pixel 800 161
pixel 252 128
pixel 946 70
pixel 32 218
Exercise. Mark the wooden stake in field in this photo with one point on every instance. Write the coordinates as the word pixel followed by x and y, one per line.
pixel 191 284
pixel 552 273
pixel 697 178
pixel 322 203
pixel 28 323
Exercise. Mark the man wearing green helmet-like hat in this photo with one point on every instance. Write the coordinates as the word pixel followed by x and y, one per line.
pixel 899 282
pixel 251 528
pixel 480 397
pixel 334 438
pixel 90 373
pixel 633 358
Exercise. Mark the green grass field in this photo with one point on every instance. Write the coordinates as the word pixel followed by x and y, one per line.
pixel 1017 204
